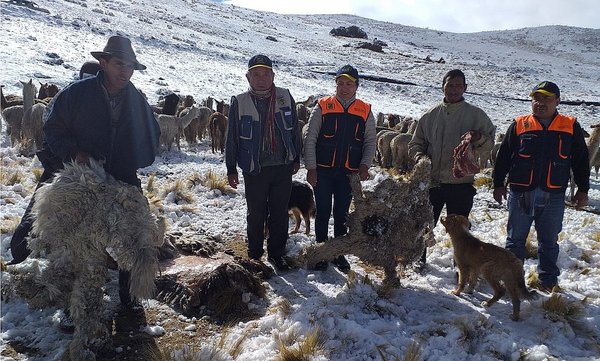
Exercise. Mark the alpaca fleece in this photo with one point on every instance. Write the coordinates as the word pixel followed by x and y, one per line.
pixel 390 224
pixel 82 219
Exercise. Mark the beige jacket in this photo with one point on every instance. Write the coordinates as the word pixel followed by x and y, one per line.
pixel 438 133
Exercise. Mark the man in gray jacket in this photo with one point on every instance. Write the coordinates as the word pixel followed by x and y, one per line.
pixel 438 132
pixel 340 140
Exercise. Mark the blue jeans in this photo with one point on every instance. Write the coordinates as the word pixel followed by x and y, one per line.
pixel 547 211
pixel 332 182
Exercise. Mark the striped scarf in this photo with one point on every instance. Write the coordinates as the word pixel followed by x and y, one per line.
pixel 269 144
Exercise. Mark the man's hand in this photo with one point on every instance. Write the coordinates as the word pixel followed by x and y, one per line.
pixel 363 172
pixel 580 199
pixel 499 194
pixel 295 168
pixel 311 177
pixel 475 136
pixel 233 180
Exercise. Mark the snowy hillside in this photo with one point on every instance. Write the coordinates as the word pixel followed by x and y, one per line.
pixel 201 48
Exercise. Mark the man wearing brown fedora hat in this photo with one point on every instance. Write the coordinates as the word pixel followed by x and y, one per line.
pixel 106 118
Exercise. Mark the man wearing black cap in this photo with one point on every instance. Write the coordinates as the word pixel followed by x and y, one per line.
pixel 340 140
pixel 538 153
pixel 263 139
pixel 439 131
pixel 106 118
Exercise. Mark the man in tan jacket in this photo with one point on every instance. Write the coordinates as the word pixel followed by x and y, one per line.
pixel 438 132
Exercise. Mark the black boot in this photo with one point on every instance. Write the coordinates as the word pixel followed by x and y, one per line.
pixel 341 263
pixel 18 242
pixel 126 300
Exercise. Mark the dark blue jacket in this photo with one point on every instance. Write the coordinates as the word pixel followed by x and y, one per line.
pixel 80 121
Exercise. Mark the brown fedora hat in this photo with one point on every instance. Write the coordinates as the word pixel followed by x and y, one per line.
pixel 120 47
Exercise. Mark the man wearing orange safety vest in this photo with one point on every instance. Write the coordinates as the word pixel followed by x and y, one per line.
pixel 340 140
pixel 538 153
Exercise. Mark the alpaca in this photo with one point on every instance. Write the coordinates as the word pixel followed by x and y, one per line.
pixel 380 118
pixel 13 117
pixel 187 102
pixel 399 149
pixel 218 127
pixel 47 91
pixel 31 124
pixel 380 234
pixel 496 148
pixel 171 127
pixel 198 126
pixel 384 151
pixel 82 219
pixel 393 119
pixel 302 112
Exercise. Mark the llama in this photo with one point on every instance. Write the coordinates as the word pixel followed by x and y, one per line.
pixel 218 126
pixel 171 127
pixel 393 119
pixel 593 145
pixel 82 219
pixel 31 124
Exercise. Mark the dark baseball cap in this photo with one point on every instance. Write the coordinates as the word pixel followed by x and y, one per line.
pixel 260 61
pixel 546 88
pixel 349 72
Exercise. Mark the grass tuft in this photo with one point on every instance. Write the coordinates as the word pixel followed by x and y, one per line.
pixel 559 308
pixel 312 344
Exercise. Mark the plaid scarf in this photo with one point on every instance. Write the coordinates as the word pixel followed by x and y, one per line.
pixel 269 144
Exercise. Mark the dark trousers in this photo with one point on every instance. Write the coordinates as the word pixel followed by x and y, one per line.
pixel 458 199
pixel 18 242
pixel 267 197
pixel 332 183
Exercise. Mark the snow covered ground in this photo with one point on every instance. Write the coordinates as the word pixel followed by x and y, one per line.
pixel 201 48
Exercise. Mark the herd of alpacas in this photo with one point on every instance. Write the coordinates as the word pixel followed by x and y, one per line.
pixel 71 273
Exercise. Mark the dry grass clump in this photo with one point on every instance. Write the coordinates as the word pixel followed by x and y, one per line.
pixel 11 178
pixel 213 180
pixel 413 352
pixel 483 181
pixel 559 308
pixel 283 306
pixel 531 248
pixel 312 344
pixel 151 184
pixel 37 173
pixel 181 191
pixel 8 225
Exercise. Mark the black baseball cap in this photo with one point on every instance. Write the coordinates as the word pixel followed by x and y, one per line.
pixel 546 88
pixel 349 72
pixel 260 61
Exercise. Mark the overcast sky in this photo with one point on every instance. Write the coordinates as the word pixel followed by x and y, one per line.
pixel 449 15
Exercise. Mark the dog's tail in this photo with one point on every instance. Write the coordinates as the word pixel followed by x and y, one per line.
pixel 526 293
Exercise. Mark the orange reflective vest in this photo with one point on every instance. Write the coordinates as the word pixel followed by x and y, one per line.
pixel 341 138
pixel 543 157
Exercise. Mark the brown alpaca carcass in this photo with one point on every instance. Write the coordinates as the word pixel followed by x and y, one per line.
pixel 82 219
pixel 218 127
pixel 382 235
pixel 202 272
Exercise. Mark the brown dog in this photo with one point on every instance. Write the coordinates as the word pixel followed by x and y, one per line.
pixel 474 257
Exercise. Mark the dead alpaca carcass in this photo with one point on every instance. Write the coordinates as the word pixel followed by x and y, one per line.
pixel 203 276
pixel 82 219
pixel 390 224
